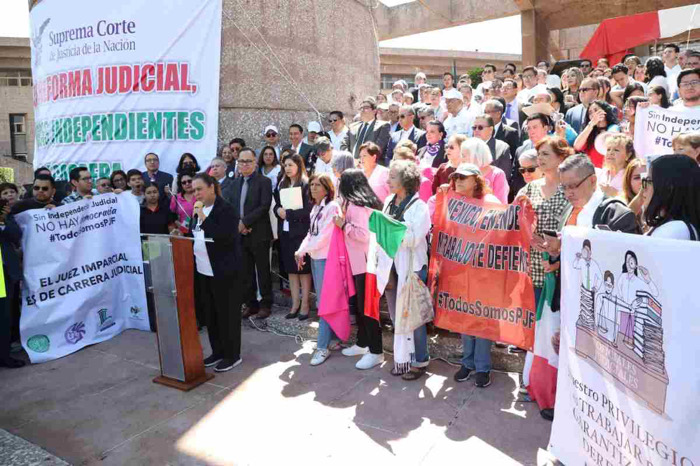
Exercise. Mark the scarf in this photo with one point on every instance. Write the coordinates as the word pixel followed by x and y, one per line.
pixel 433 149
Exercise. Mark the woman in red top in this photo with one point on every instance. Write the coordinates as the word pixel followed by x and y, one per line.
pixel 453 150
pixel 601 116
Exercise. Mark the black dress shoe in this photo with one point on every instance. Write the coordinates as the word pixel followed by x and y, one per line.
pixel 12 363
pixel 303 317
pixel 292 314
pixel 547 414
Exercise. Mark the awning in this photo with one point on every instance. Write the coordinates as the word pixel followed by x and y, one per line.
pixel 616 36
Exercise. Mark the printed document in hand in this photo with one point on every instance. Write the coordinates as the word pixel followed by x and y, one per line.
pixel 291 198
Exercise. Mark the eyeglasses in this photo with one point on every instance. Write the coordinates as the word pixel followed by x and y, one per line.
pixel 586 89
pixel 690 84
pixel 245 162
pixel 528 76
pixel 460 176
pixel 366 107
pixel 479 127
pixel 406 115
pixel 524 170
pixel 186 181
pixel 41 188
pixel 270 135
pixel 575 186
pixel 646 182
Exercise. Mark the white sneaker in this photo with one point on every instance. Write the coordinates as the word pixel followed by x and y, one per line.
pixel 355 350
pixel 319 357
pixel 369 360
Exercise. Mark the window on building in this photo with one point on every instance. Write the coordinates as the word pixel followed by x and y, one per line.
pixel 15 78
pixel 18 135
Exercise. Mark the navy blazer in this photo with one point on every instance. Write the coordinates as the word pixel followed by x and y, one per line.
pixel 163 179
pixel 417 136
pixel 575 116
pixel 257 204
pixel 221 225
pixel 299 219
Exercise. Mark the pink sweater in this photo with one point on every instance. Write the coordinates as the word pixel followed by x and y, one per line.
pixel 357 237
pixel 316 246
pixel 379 181
pixel 496 180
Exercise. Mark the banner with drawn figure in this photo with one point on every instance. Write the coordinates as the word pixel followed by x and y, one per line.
pixel 479 269
pixel 655 128
pixel 628 381
pixel 114 81
pixel 83 275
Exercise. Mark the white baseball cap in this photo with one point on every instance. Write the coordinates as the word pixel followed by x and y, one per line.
pixel 271 128
pixel 453 94
pixel 314 127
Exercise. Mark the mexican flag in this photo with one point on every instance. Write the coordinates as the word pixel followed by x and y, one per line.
pixel 540 372
pixel 385 238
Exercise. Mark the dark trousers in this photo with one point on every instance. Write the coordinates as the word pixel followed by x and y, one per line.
pixel 6 319
pixel 369 333
pixel 256 256
pixel 220 300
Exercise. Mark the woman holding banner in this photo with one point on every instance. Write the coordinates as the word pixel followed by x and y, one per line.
pixel 357 200
pixel 476 151
pixel 316 244
pixel 468 181
pixel 411 358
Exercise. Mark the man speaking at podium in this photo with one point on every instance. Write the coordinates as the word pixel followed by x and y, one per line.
pixel 217 287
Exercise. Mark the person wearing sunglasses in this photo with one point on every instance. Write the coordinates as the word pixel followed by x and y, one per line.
pixel 182 203
pixel 406 130
pixel 43 191
pixel 483 129
pixel 272 138
pixel 587 93
pixel 529 169
pixel 336 120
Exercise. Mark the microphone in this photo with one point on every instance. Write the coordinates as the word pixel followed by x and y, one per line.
pixel 197 205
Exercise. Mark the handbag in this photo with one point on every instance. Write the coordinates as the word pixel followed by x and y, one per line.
pixel 415 304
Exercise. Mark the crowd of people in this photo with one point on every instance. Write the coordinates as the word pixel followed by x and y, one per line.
pixel 565 143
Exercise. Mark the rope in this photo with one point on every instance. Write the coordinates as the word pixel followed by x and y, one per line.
pixel 288 76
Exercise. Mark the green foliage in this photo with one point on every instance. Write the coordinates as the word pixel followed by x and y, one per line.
pixel 475 74
pixel 7 175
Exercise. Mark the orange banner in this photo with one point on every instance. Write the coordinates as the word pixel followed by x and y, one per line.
pixel 479 269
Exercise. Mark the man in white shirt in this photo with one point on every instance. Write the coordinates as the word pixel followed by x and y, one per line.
pixel 529 81
pixel 689 88
pixel 459 120
pixel 338 128
pixel 671 66
pixel 487 76
pixel 324 162
pixel 552 79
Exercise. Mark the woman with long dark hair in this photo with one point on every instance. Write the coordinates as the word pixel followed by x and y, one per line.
pixel 182 203
pixel 187 163
pixel 269 165
pixel 656 73
pixel 217 287
pixel 292 227
pixel 634 89
pixel 600 117
pixel 672 198
pixel 357 200
pixel 658 95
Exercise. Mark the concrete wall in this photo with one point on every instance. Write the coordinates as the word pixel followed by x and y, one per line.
pixel 328 49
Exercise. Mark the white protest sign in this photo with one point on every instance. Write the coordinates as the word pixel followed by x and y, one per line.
pixel 655 127
pixel 116 80
pixel 83 275
pixel 628 380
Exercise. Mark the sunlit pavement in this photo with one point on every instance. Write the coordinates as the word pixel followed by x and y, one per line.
pixel 100 406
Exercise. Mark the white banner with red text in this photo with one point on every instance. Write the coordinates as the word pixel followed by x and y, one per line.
pixel 628 384
pixel 114 81
pixel 83 275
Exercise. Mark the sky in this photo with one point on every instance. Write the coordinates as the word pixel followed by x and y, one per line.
pixel 14 22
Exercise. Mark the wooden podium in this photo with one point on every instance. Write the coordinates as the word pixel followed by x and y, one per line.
pixel 170 274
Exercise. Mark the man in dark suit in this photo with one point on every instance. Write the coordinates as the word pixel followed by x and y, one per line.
pixel 296 134
pixel 502 131
pixel 415 90
pixel 369 129
pixel 406 131
pixel 500 152
pixel 513 109
pixel 587 93
pixel 154 176
pixel 251 195
pixel 10 235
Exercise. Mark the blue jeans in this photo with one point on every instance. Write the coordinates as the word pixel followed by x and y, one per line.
pixel 420 335
pixel 325 333
pixel 477 353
